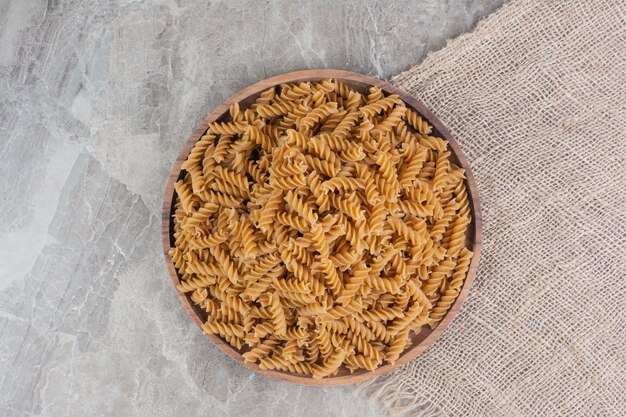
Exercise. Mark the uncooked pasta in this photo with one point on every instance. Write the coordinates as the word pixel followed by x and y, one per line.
pixel 319 227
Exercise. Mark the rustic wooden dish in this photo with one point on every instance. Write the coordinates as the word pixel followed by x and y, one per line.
pixel 420 341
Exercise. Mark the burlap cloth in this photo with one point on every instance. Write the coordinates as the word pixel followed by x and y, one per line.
pixel 536 97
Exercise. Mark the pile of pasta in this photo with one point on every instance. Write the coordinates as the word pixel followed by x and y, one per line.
pixel 319 227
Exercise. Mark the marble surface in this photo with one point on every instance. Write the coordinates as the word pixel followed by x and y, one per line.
pixel 96 99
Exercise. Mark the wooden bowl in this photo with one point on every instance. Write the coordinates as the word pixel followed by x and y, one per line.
pixel 420 341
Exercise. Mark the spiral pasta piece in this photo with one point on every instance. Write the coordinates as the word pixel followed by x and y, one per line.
pixel 442 306
pixel 460 271
pixel 374 95
pixel 278 315
pixel 417 122
pixel 327 86
pixel 391 121
pixel 342 89
pixel 321 194
pixel 440 227
pixel 387 177
pixel 220 199
pixel 433 142
pixel 276 361
pixel 346 125
pixel 326 268
pixel 348 206
pixel 291 352
pixel 313 145
pixel 437 277
pixel 297 251
pixel 259 137
pixel 456 239
pixel 462 199
pixel 293 220
pixel 291 92
pixel 225 188
pixel 311 309
pixel 223 329
pixel 248 237
pixel 318 241
pixel 404 231
pixel 411 168
pixel 193 284
pixel 441 170
pixel 322 166
pixel 358 274
pixel 343 183
pixel 403 322
pixel 260 351
pixel 225 262
pixel 397 346
pixel 384 284
pixel 193 164
pixel 296 299
pixel 269 211
pixel 186 196
pixel 300 207
pixel 277 109
pixel 380 106
pixel 330 365
pixel 214 239
pixel 308 121
pixel 228 128
pixel 292 285
pixel 288 183
pixel 354 362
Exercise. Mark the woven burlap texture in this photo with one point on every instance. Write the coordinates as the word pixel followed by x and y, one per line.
pixel 536 97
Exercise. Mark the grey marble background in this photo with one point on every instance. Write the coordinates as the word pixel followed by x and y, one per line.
pixel 96 99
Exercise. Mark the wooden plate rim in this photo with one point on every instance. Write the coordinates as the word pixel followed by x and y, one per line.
pixel 316 75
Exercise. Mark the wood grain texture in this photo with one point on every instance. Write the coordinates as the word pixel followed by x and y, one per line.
pixel 420 341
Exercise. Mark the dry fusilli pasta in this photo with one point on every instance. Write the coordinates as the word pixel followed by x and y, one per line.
pixel 320 226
